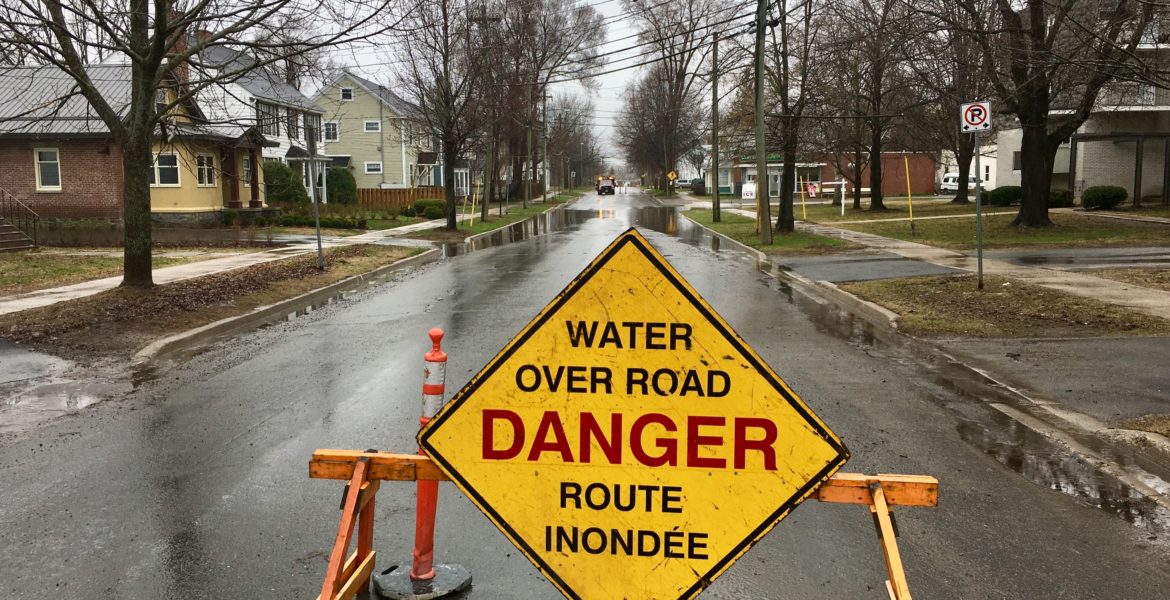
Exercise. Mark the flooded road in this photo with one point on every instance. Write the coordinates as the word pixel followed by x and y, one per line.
pixel 195 484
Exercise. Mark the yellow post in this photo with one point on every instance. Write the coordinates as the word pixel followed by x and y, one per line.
pixel 909 194
pixel 474 199
pixel 803 210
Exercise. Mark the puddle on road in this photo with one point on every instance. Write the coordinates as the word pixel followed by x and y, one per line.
pixel 50 400
pixel 1036 459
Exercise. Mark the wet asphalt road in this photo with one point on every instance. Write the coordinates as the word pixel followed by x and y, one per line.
pixel 196 484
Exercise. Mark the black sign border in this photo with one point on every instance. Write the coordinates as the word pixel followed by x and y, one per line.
pixel 631 236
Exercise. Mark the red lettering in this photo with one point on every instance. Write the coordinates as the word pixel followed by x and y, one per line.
pixel 540 443
pixel 695 440
pixel 489 417
pixel 764 445
pixel 591 430
pixel 669 446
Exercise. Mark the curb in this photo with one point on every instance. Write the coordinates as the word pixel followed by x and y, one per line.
pixel 272 313
pixel 263 315
pixel 870 312
pixel 1151 445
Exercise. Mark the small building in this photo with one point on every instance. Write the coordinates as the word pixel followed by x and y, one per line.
pixel 60 159
pixel 948 163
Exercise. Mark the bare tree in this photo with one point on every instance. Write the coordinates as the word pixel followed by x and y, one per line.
pixel 947 62
pixel 795 50
pixel 1047 61
pixel 441 71
pixel 154 39
pixel 678 36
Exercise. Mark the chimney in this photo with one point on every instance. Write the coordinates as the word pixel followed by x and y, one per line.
pixel 180 46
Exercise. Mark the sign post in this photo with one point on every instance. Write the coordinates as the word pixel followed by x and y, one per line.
pixel 974 118
pixel 607 438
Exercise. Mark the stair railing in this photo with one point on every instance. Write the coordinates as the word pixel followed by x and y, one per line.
pixel 19 215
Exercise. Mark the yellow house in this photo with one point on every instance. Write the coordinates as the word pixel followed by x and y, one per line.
pixel 205 169
pixel 61 160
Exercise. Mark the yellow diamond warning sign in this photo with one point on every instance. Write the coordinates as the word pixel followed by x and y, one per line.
pixel 627 440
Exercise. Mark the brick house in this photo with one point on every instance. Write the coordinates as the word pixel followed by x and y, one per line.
pixel 735 171
pixel 58 157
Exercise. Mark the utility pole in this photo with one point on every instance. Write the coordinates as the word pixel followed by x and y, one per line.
pixel 490 181
pixel 715 216
pixel 544 152
pixel 528 174
pixel 763 209
pixel 666 165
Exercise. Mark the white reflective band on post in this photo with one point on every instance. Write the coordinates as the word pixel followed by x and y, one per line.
pixel 434 374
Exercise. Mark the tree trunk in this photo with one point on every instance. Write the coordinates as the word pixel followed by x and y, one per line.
pixel 786 220
pixel 857 178
pixel 966 151
pixel 450 154
pixel 137 162
pixel 1037 156
pixel 875 169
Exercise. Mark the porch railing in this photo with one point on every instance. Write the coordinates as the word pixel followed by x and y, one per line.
pixel 19 215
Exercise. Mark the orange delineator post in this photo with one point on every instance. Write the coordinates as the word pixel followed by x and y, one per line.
pixel 434 383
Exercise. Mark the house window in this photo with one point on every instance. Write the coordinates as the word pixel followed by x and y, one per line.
pixel 294 124
pixel 268 115
pixel 312 126
pixel 160 101
pixel 165 172
pixel 48 167
pixel 346 94
pixel 205 169
pixel 986 172
pixel 1016 163
pixel 332 131
pixel 247 163
pixel 724 177
pixel 373 167
pixel 372 126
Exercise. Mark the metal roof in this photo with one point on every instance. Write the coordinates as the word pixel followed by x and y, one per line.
pixel 257 79
pixel 44 101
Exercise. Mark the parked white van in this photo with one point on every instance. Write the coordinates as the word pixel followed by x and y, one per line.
pixel 950 182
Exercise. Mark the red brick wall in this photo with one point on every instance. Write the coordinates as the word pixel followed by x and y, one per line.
pixel 922 173
pixel 91 178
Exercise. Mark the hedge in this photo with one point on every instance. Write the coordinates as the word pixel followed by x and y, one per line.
pixel 1103 197
pixel 1005 195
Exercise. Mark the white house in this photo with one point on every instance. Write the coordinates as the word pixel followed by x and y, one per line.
pixel 257 97
pixel 1125 142
pixel 947 163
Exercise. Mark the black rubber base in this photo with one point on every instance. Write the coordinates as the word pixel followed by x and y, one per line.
pixel 395 583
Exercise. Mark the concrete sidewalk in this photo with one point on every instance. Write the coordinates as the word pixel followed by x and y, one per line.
pixel 39 298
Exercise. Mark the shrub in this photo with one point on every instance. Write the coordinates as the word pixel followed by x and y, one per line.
pixel 409 211
pixel 1103 197
pixel 230 217
pixel 1005 195
pixel 434 212
pixel 1060 199
pixel 281 184
pixel 420 206
pixel 342 185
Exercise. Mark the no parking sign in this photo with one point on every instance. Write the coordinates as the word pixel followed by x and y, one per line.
pixel 975 117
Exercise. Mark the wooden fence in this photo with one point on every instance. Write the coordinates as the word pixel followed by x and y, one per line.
pixel 395 199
